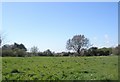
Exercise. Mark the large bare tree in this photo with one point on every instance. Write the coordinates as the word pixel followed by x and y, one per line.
pixel 77 43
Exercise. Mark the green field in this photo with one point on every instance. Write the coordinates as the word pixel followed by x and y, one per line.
pixel 0 69
pixel 60 68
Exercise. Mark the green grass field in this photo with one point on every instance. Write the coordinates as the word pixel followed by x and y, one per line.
pixel 60 68
pixel 0 69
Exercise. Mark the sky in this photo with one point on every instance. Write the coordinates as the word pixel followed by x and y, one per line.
pixel 48 25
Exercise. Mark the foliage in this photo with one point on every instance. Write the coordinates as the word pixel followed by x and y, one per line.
pixel 7 53
pixel 48 53
pixel 18 50
pixel 77 43
pixel 60 68
pixel 19 46
pixel 94 51
pixel 7 47
pixel 34 50
pixel 116 50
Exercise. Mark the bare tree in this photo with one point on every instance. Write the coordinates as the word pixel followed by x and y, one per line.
pixel 3 39
pixel 77 43
pixel 34 50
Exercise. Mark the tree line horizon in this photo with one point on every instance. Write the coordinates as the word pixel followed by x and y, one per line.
pixel 79 44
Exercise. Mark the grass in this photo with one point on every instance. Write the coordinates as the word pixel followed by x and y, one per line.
pixel 0 69
pixel 60 68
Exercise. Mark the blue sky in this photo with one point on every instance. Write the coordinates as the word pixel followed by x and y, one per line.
pixel 50 25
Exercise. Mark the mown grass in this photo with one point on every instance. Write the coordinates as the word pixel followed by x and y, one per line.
pixel 60 68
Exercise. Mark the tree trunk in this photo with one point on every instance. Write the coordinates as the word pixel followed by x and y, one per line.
pixel 78 51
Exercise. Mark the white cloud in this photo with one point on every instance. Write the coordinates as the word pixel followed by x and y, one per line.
pixel 104 41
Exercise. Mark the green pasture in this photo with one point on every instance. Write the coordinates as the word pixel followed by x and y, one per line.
pixel 60 68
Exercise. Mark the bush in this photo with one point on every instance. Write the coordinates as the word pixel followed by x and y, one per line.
pixel 7 53
pixel 14 53
pixel 19 52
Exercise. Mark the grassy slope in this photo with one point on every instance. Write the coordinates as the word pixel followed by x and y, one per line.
pixel 63 68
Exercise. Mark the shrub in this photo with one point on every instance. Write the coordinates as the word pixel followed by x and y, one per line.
pixel 19 52
pixel 7 53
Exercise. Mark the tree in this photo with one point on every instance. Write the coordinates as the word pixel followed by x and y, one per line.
pixel 93 51
pixel 48 53
pixel 34 50
pixel 107 51
pixel 77 43
pixel 7 47
pixel 14 50
pixel 8 53
pixel 19 52
pixel 0 40
pixel 20 46
pixel 116 50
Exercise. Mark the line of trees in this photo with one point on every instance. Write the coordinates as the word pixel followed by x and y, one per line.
pixel 79 44
pixel 20 51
